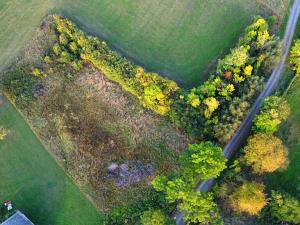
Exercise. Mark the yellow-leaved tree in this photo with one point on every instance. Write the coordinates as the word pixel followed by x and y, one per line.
pixel 249 198
pixel 265 153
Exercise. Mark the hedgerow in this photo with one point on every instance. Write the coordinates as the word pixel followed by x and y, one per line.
pixel 154 91
pixel 210 108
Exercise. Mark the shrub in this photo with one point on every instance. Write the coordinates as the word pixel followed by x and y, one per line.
pixel 153 217
pixel 56 49
pixel 47 59
pixel 265 153
pixel 248 198
pixel 3 133
pixel 37 72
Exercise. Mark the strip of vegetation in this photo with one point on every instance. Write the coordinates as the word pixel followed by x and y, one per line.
pixel 217 107
pixel 241 191
pixel 154 91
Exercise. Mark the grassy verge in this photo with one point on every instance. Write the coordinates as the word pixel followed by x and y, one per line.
pixel 34 182
pixel 289 178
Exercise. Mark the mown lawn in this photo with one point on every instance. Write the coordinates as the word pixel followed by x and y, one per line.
pixel 31 178
pixel 180 39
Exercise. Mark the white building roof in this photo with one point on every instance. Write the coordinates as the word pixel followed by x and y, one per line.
pixel 17 219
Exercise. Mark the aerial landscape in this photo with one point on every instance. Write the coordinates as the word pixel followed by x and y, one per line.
pixel 150 112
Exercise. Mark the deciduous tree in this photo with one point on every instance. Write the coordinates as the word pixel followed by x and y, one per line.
pixel 265 153
pixel 273 112
pixel 284 207
pixel 249 198
pixel 204 160
pixel 200 208
pixel 295 57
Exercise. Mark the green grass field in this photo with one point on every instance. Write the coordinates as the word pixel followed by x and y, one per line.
pixel 180 39
pixel 34 182
pixel 18 21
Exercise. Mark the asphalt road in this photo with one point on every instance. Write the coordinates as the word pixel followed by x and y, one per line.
pixel 245 128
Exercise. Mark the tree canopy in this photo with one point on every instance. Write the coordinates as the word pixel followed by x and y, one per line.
pixel 265 153
pixel 153 217
pixel 249 198
pixel 273 112
pixel 204 160
pixel 284 207
pixel 199 207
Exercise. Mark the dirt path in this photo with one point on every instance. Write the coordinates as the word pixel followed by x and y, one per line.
pixel 245 128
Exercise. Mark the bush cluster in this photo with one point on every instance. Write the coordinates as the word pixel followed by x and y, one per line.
pixel 19 85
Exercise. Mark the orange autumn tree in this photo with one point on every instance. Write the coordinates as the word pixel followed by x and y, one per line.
pixel 265 153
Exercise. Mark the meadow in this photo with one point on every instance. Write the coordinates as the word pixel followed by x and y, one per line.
pixel 181 40
pixel 34 182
